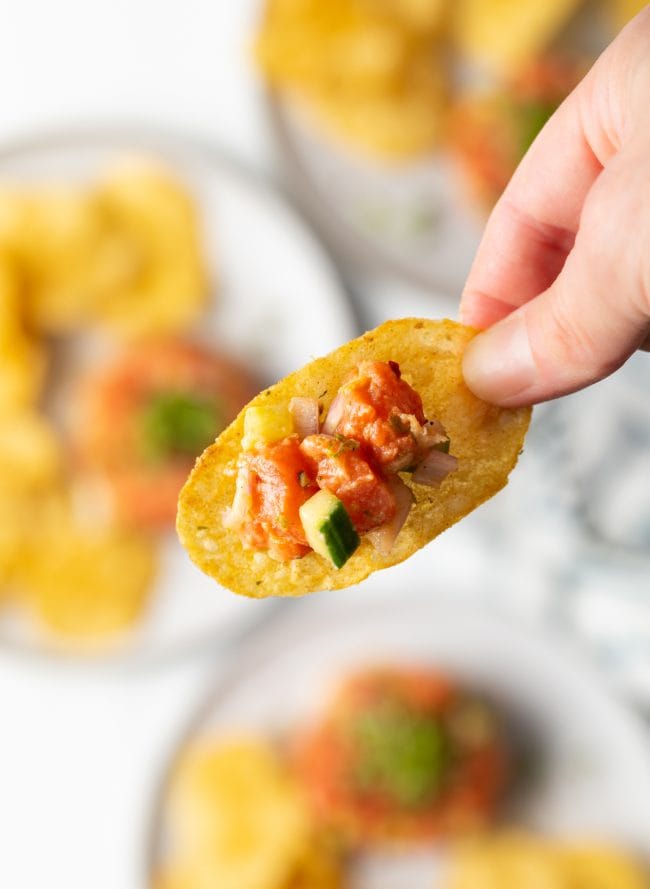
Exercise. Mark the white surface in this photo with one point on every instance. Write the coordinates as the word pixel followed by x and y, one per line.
pixel 278 304
pixel 593 760
pixel 80 750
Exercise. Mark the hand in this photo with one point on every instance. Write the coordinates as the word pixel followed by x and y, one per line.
pixel 562 276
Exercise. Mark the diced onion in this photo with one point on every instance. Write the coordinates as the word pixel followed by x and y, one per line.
pixel 235 516
pixel 334 415
pixel 305 413
pixel 384 537
pixel 435 468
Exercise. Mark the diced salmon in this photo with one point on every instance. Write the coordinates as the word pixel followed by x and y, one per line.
pixel 279 485
pixel 337 465
pixel 380 409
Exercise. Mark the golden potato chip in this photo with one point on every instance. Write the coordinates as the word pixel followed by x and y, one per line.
pixel 396 123
pixel 83 582
pixel 598 867
pixel 504 35
pixel 237 820
pixel 320 867
pixel 515 859
pixel 506 860
pixel 30 455
pixel 151 211
pixel 70 258
pixel 486 440
pixel 22 361
pixel 369 72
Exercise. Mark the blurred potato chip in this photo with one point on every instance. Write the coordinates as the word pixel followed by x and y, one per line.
pixel 370 72
pixel 30 455
pixel 503 35
pixel 81 581
pixel 22 360
pixel 397 124
pixel 319 868
pixel 486 440
pixel 522 861
pixel 71 260
pixel 237 820
pixel 153 213
pixel 599 867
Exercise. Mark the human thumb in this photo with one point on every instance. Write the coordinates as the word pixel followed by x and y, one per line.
pixel 593 316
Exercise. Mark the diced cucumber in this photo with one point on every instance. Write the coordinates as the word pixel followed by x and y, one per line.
pixel 328 528
pixel 443 446
pixel 263 425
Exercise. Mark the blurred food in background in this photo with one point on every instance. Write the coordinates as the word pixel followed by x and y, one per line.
pixel 144 418
pixel 371 73
pixel 403 755
pixel 420 85
pixel 491 132
pixel 238 820
pixel 501 36
pixel 117 258
pixel 517 860
pixel 401 761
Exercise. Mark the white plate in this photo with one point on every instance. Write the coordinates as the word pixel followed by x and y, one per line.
pixel 278 304
pixel 594 755
pixel 405 220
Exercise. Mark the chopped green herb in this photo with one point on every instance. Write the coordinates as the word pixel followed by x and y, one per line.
pixel 399 753
pixel 178 424
pixel 303 479
pixel 345 444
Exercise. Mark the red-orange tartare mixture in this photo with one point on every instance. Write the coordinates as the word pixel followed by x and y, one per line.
pixel 403 754
pixel 144 418
pixel 375 428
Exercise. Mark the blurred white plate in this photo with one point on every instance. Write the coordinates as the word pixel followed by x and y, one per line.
pixel 278 304
pixel 593 755
pixel 403 219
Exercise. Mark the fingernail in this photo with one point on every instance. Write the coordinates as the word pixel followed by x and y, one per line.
pixel 498 364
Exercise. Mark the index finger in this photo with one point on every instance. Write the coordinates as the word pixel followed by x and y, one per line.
pixel 533 225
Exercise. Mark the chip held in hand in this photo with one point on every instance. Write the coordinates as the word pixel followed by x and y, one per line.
pixel 348 465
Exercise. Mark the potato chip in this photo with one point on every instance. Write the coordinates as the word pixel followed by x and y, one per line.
pixel 514 859
pixel 30 455
pixel 599 867
pixel 70 258
pixel 504 35
pixel 237 820
pixel 22 361
pixel 370 73
pixel 151 211
pixel 83 582
pixel 397 123
pixel 486 440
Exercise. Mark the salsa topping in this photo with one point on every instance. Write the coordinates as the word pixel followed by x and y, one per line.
pixel 179 424
pixel 374 429
pixel 399 753
pixel 403 753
